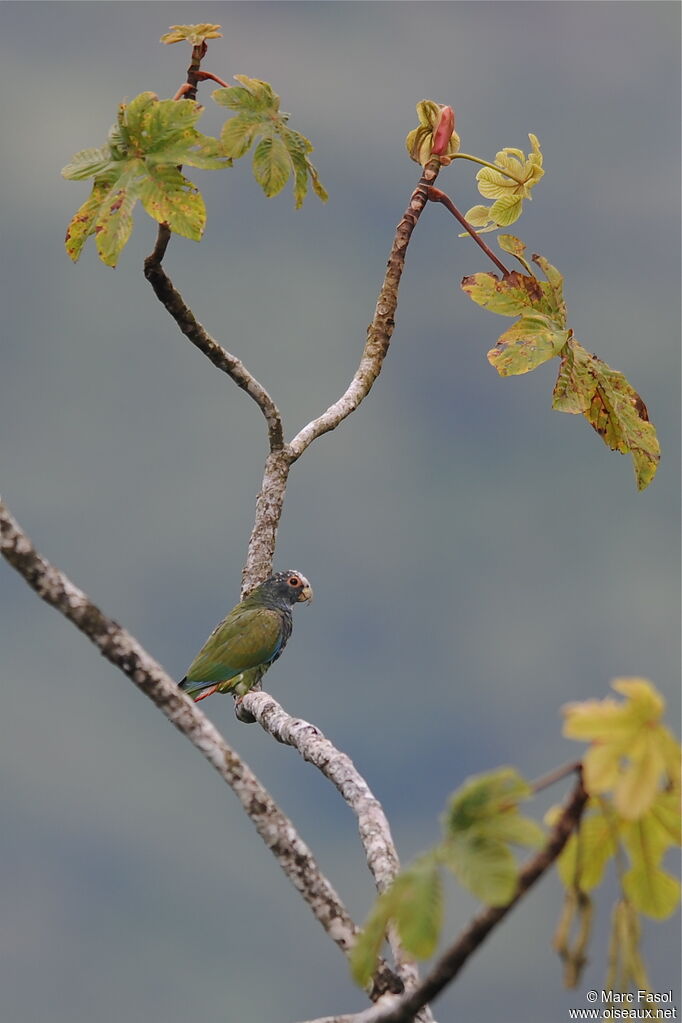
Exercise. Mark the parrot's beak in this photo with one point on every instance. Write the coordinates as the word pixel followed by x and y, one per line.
pixel 306 594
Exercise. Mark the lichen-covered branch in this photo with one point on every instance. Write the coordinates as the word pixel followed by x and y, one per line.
pixel 375 832
pixel 123 650
pixel 171 298
pixel 338 767
pixel 405 1009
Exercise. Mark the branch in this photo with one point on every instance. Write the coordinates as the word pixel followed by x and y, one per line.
pixel 123 651
pixel 201 339
pixel 375 832
pixel 380 329
pixel 261 549
pixel 449 965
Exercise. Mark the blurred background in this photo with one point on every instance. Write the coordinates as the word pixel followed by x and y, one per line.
pixel 478 560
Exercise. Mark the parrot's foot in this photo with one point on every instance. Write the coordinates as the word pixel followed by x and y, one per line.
pixel 241 713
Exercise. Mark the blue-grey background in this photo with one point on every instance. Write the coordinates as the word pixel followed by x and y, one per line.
pixel 478 559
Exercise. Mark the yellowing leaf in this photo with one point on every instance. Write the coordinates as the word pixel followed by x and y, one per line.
pixel 527 344
pixel 575 384
pixel 652 891
pixel 626 968
pixel 587 852
pixel 82 224
pixel 170 198
pixel 510 182
pixel 621 419
pixel 629 755
pixel 194 34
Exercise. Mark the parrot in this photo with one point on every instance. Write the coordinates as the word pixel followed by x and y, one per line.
pixel 253 635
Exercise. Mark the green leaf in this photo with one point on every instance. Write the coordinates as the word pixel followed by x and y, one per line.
pixel 486 868
pixel 136 116
pixel 414 903
pixel 418 907
pixel 115 221
pixel 280 150
pixel 364 954
pixel 481 821
pixel 271 165
pixel 527 344
pixel 194 34
pixel 479 800
pixel 237 135
pixel 88 163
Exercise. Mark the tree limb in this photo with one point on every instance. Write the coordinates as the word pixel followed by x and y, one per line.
pixel 375 832
pixel 123 651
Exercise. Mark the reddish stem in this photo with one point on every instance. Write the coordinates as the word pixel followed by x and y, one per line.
pixel 201 76
pixel 435 195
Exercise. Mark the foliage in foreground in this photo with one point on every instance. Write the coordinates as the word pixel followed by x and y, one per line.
pixel 631 773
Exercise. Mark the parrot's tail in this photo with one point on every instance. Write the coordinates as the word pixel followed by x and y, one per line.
pixel 192 689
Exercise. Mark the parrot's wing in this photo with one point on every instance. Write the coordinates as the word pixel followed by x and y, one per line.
pixel 246 638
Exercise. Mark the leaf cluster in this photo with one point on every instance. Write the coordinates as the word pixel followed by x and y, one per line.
pixel 152 139
pixel 632 774
pixel 585 384
pixel 481 822
pixel 281 151
pixel 140 161
pixel 508 182
pixel 194 34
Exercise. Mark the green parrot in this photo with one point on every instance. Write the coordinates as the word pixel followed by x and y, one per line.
pixel 244 645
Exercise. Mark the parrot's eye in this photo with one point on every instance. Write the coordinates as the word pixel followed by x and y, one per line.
pixel 294 580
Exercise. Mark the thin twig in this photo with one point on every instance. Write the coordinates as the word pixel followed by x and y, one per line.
pixel 435 195
pixel 123 651
pixel 171 298
pixel 452 961
pixel 558 774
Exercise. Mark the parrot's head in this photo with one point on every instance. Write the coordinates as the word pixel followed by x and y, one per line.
pixel 287 587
